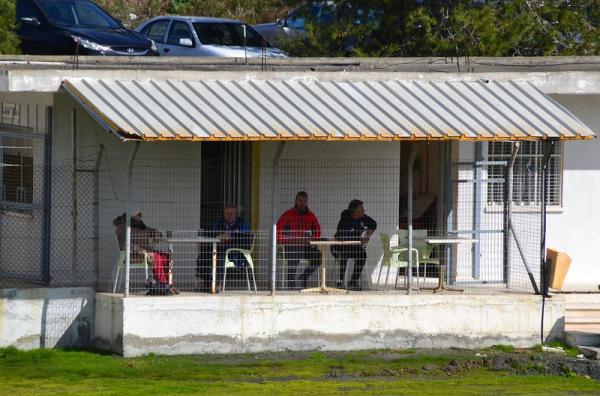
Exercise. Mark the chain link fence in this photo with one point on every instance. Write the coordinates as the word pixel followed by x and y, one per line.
pixel 193 229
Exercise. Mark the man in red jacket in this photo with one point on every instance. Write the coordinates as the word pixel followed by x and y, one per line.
pixel 295 229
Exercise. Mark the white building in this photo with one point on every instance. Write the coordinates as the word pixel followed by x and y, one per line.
pixel 211 137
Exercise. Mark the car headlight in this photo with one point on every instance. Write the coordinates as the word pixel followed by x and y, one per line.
pixel 153 46
pixel 90 44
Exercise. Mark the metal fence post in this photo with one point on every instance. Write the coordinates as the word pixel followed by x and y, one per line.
pixel 47 198
pixel 274 260
pixel 409 213
pixel 477 210
pixel 128 213
pixel 508 188
pixel 274 191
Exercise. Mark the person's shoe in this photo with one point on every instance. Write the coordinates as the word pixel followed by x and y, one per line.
pixel 340 285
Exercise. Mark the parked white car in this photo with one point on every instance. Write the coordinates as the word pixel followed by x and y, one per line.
pixel 202 36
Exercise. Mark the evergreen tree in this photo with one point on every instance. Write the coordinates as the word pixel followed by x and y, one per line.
pixel 8 39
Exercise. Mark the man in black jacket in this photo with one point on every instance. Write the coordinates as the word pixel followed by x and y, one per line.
pixel 354 225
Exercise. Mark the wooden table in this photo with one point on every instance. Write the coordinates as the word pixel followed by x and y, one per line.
pixel 446 240
pixel 199 239
pixel 323 244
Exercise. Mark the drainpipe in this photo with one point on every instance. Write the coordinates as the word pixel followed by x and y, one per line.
pixel 411 163
pixel 274 191
pixel 548 151
pixel 128 214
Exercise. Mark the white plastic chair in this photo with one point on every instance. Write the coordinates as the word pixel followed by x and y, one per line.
pixel 395 256
pixel 247 253
pixel 141 264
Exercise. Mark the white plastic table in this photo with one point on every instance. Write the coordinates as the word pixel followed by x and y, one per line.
pixel 446 240
pixel 199 239
pixel 323 244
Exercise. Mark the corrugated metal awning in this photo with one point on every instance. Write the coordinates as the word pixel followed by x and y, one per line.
pixel 312 109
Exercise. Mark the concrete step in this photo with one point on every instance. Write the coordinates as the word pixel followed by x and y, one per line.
pixel 582 319
pixel 584 327
pixel 582 306
pixel 590 352
pixel 575 338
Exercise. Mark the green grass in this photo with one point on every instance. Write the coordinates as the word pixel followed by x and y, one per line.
pixel 44 372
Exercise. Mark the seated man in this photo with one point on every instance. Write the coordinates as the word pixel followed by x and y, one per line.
pixel 351 227
pixel 295 229
pixel 233 232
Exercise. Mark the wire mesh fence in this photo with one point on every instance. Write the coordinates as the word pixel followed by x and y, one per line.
pixel 201 222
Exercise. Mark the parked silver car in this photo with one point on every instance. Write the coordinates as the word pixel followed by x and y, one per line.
pixel 201 36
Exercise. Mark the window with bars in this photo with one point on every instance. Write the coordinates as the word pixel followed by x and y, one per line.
pixel 527 174
pixel 17 171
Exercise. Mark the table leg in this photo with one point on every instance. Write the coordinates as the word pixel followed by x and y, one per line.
pixel 323 287
pixel 441 285
pixel 323 270
pixel 213 289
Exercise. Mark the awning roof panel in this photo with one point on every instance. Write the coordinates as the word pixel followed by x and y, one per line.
pixel 310 109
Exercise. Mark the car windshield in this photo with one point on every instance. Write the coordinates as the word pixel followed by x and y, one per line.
pixel 319 13
pixel 228 34
pixel 77 14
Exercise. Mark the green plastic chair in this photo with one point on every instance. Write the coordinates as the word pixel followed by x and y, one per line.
pixel 425 249
pixel 247 253
pixel 141 264
pixel 395 256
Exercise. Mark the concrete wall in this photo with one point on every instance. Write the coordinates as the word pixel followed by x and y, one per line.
pixel 46 318
pixel 240 324
pixel 108 323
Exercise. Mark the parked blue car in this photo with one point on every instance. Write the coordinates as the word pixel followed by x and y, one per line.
pixel 68 27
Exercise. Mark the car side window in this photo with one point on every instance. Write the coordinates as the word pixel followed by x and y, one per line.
pixel 156 30
pixel 179 30
pixel 26 9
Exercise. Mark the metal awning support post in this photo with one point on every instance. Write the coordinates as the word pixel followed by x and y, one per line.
pixel 128 214
pixel 409 210
pixel 274 191
pixel 96 171
pixel 47 198
pixel 477 202
pixel 508 196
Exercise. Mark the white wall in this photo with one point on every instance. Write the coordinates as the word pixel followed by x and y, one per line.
pixel 166 190
pixel 573 228
pixel 576 229
pixel 334 173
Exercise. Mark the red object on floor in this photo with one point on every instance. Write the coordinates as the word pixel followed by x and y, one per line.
pixel 161 267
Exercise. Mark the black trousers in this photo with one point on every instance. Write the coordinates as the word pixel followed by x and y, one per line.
pixel 345 253
pixel 295 253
